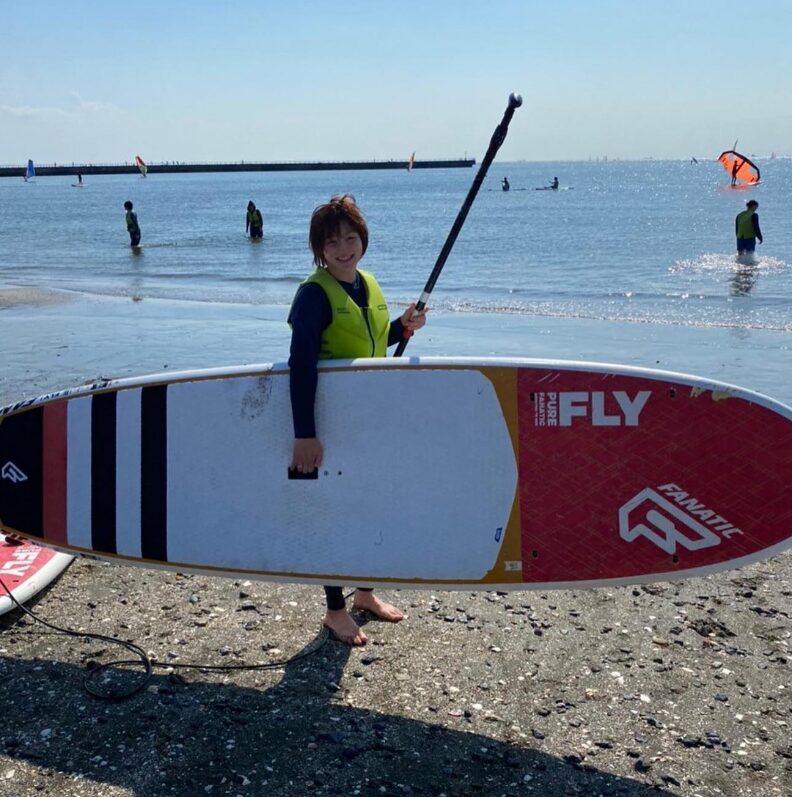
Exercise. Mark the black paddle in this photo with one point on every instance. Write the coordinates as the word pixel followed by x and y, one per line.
pixel 498 137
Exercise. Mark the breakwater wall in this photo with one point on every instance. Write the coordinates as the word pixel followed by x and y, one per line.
pixel 176 167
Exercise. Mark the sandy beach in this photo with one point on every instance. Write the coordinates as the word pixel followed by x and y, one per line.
pixel 673 689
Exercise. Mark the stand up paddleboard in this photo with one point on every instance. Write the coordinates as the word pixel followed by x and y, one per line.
pixel 26 569
pixel 438 473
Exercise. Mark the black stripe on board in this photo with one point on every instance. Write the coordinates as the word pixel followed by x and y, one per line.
pixel 103 472
pixel 154 472
pixel 21 463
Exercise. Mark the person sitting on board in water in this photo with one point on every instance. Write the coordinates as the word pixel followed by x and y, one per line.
pixel 133 228
pixel 505 184
pixel 746 228
pixel 554 184
pixel 338 238
pixel 254 223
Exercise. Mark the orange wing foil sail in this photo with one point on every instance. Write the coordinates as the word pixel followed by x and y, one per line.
pixel 747 172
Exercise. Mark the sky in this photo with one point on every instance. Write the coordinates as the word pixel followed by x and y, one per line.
pixel 93 81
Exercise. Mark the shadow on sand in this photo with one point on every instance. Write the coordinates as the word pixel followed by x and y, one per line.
pixel 295 737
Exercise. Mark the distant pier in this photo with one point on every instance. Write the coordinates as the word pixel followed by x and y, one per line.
pixel 177 167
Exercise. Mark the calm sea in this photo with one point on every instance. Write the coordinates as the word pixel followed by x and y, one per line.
pixel 628 241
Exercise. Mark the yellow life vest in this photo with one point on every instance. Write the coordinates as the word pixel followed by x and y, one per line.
pixel 353 331
pixel 745 224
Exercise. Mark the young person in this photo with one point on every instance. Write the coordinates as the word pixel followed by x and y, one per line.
pixel 254 222
pixel 339 312
pixel 133 228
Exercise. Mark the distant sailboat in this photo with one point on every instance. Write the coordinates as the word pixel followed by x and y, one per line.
pixel 410 162
pixel 30 172
pixel 141 165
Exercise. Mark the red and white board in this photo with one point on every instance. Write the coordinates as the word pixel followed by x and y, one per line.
pixel 26 568
pixel 438 473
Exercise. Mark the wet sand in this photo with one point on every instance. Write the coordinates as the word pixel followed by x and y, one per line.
pixel 56 339
pixel 672 689
pixel 16 297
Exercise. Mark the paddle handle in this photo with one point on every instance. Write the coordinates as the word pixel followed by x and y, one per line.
pixel 498 137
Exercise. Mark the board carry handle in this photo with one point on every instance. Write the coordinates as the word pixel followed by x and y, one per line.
pixel 296 475
pixel 498 137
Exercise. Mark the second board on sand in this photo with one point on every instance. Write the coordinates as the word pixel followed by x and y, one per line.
pixel 26 569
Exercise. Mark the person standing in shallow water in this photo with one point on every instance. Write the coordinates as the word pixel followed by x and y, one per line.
pixel 133 228
pixel 339 312
pixel 254 222
pixel 746 228
pixel 735 169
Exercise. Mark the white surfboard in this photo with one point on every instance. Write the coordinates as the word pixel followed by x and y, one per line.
pixel 438 472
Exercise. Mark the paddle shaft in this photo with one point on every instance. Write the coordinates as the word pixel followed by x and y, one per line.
pixel 498 137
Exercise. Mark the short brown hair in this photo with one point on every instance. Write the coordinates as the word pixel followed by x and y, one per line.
pixel 326 222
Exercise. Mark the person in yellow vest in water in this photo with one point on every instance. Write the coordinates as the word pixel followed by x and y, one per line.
pixel 133 228
pixel 339 312
pixel 254 223
pixel 746 228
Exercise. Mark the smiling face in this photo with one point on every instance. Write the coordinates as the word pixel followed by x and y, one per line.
pixel 342 252
pixel 338 237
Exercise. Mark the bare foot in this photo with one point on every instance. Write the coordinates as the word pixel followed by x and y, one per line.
pixel 344 628
pixel 368 601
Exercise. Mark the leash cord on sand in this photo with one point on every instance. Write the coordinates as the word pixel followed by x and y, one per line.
pixel 144 660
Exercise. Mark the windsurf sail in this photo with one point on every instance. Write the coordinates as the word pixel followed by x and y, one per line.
pixel 410 162
pixel 141 165
pixel 742 169
pixel 30 172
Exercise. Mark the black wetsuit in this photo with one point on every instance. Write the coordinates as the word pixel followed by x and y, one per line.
pixel 310 315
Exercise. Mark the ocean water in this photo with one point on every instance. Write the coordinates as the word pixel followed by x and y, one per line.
pixel 633 263
pixel 631 241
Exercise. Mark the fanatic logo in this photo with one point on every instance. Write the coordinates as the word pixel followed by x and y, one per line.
pixel 665 524
pixel 12 473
